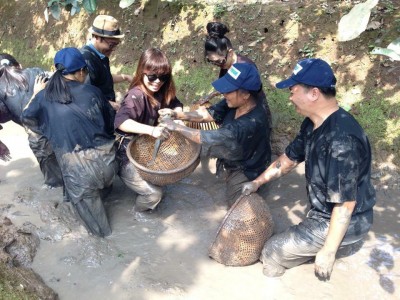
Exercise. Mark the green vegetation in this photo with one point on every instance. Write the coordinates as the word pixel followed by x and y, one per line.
pixel 11 288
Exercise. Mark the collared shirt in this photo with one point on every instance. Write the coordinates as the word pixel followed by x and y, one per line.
pixel 136 106
pixel 101 55
pixel 337 159
pixel 86 122
pixel 99 71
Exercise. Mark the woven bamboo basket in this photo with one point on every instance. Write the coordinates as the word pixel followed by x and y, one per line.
pixel 176 158
pixel 243 232
pixel 206 103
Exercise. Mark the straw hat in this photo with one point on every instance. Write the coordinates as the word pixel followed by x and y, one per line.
pixel 106 26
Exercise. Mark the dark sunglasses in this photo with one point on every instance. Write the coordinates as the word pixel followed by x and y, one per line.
pixel 111 45
pixel 154 77
pixel 218 62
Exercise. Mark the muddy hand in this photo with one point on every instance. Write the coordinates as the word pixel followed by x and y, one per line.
pixel 249 187
pixel 168 123
pixel 4 152
pixel 160 132
pixel 324 264
pixel 166 113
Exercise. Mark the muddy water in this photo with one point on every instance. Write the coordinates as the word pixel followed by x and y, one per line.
pixel 163 255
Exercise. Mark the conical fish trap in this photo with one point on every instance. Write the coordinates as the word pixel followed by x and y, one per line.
pixel 243 232
pixel 176 158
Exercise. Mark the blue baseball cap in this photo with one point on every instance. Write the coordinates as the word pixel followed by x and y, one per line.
pixel 239 76
pixel 310 71
pixel 71 59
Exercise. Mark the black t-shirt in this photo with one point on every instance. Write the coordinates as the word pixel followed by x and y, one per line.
pixel 242 143
pixel 136 106
pixel 84 123
pixel 337 159
pixel 11 106
pixel 99 72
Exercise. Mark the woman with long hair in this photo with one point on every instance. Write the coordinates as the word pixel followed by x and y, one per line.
pixel 77 120
pixel 218 50
pixel 152 88
pixel 16 88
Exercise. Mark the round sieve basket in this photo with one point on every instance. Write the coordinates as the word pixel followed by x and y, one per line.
pixel 177 158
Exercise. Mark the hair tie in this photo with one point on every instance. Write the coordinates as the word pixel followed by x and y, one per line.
pixel 5 62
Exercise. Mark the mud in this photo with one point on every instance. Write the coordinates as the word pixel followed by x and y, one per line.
pixel 163 254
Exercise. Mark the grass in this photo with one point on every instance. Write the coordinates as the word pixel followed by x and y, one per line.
pixel 10 288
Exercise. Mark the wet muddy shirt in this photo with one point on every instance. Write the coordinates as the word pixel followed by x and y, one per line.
pixel 99 71
pixel 13 102
pixel 239 144
pixel 136 106
pixel 337 159
pixel 84 123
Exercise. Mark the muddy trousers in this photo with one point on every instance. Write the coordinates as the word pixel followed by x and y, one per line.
pixel 88 175
pixel 91 210
pixel 148 195
pixel 234 181
pixel 301 243
pixel 46 158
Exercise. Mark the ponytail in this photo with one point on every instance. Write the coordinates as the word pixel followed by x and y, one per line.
pixel 57 89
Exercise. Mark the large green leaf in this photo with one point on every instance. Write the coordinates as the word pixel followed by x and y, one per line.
pixel 395 45
pixel 356 21
pixel 89 5
pixel 126 3
pixel 387 52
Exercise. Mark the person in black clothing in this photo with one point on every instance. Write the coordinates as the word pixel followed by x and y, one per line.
pixel 241 144
pixel 78 122
pixel 106 36
pixel 16 89
pixel 337 158
pixel 218 50
pixel 151 89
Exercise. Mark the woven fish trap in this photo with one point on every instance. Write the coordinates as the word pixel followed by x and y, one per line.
pixel 202 125
pixel 177 158
pixel 242 234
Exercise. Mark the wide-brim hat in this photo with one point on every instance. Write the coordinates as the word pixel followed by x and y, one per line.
pixel 106 26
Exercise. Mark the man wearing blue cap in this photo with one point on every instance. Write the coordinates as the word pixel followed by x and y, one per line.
pixel 337 158
pixel 241 144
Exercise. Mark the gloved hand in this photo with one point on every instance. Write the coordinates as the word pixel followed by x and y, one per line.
pixel 4 152
pixel 249 187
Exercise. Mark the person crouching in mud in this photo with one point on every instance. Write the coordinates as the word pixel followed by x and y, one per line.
pixel 152 88
pixel 77 120
pixel 337 158
pixel 241 144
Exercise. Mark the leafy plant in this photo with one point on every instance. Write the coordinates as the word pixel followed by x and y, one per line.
pixel 54 7
pixel 307 51
pixel 219 10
